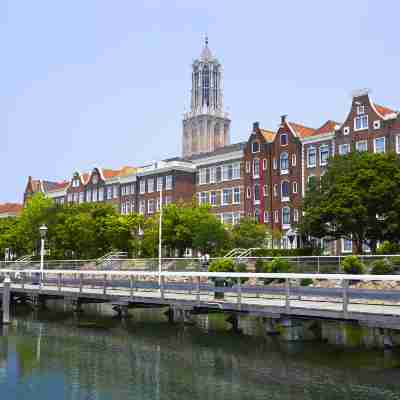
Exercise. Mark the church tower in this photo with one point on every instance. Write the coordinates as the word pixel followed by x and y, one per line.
pixel 206 126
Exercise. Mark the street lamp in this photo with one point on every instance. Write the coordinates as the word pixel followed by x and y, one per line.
pixel 43 232
pixel 291 235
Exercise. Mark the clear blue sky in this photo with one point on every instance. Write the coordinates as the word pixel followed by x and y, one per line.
pixel 100 82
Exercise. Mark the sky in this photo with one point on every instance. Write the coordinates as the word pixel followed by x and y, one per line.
pixel 105 83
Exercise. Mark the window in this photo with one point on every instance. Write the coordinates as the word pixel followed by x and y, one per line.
pixel 284 163
pixel 142 187
pixel 295 187
pixel 69 197
pixel 255 147
pixel 75 197
pixel 132 188
pixel 207 175
pixel 132 205
pixel 296 215
pixel 379 145
pixel 150 206
pixel 218 174
pixel 266 191
pixel 285 191
pixel 285 216
pixel 227 172
pixel 202 176
pixel 160 183
pixel 94 194
pixel 123 208
pixel 109 192
pixel 256 168
pixel 168 182
pixel 248 193
pixel 142 206
pixel 82 197
pixel 236 195
pixel 76 182
pixel 88 195
pixel 294 160
pixel 360 109
pixel 362 145
pixel 213 198
pixel 204 197
pixel 236 170
pixel 235 218
pixel 227 218
pixel 284 139
pixel 311 157
pixel 398 144
pixel 212 175
pixel 256 193
pixel 344 149
pixel 275 190
pixel 276 216
pixel 361 122
pixel 266 217
pixel 346 130
pixel 115 191
pixel 274 163
pixel 150 185
pixel 347 246
pixel 323 154
pixel 248 167
pixel 264 164
pixel 226 196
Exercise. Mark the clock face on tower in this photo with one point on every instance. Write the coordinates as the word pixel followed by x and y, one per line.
pixel 95 179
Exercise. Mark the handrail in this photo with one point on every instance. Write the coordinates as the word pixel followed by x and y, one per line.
pixel 346 277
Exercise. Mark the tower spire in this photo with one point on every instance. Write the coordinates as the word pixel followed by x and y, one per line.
pixel 206 40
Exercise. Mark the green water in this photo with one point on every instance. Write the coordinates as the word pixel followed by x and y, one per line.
pixel 94 356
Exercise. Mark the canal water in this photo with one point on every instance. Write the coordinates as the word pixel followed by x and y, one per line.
pixel 50 355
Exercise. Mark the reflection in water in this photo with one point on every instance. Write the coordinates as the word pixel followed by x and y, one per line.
pixel 97 357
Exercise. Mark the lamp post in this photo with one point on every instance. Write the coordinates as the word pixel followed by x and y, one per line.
pixel 43 232
pixel 291 235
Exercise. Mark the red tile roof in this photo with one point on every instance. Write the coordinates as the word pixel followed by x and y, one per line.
pixel 383 110
pixel 10 208
pixel 301 130
pixel 328 126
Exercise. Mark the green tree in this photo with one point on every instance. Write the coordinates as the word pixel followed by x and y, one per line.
pixel 248 233
pixel 358 198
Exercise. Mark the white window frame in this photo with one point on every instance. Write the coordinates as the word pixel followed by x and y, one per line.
pixel 364 142
pixel 235 193
pixel 284 171
pixel 294 160
pixel 150 210
pixel 257 201
pixel 285 198
pixel 275 190
pixel 344 146
pixel 377 124
pixel 109 192
pixel 150 185
pixel 287 139
pixel 256 166
pixel 283 221
pixel 160 183
pixel 321 149
pixel 314 149
pixel 101 193
pixel 344 250
pixel 276 216
pixel 258 146
pixel 248 167
pixel 248 192
pixel 384 144
pixel 264 164
pixel 295 215
pixel 266 217
pixel 142 207
pixel 169 182
pixel 346 131
pixel 295 187
pixel 361 118
pixel 360 109
pixel 213 198
pixel 398 144
pixel 265 190
pixel 275 163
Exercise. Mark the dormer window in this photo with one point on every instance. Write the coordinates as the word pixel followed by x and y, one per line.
pixel 361 122
pixel 255 147
pixel 75 182
pixel 284 139
pixel 360 109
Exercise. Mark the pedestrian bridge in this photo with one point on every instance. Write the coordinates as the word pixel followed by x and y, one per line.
pixel 195 292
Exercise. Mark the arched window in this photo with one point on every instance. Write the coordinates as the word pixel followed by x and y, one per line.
pixel 285 215
pixel 284 161
pixel 285 190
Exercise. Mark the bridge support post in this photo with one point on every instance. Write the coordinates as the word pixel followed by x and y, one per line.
pixel 345 286
pixel 6 299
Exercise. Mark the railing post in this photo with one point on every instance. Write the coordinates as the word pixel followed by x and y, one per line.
pixel 345 286
pixel 198 290
pixel 131 286
pixel 162 287
pixel 104 283
pixel 80 282
pixel 59 280
pixel 287 295
pixel 239 293
pixel 318 264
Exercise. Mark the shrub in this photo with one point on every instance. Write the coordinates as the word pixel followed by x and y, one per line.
pixel 382 267
pixel 276 265
pixel 352 265
pixel 221 265
pixel 388 248
pixel 259 265
pixel 306 282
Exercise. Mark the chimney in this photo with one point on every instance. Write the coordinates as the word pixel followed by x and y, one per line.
pixel 256 126
pixel 283 119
